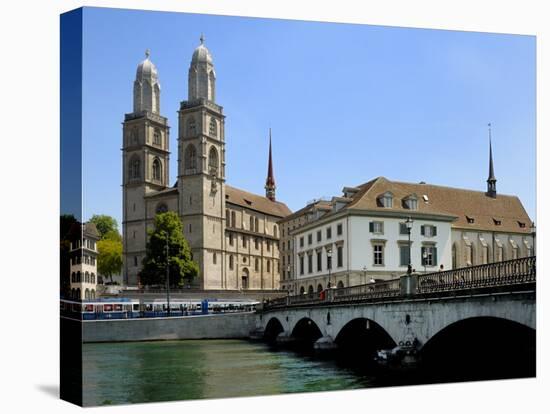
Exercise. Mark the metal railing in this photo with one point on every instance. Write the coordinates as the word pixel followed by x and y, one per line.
pixel 510 272
pixel 507 273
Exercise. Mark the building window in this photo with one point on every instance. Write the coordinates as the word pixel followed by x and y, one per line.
pixel 256 264
pixel 428 230
pixel 378 254
pixel 269 266
pixel 233 219
pixel 135 168
pixel 190 160
pixel 411 203
pixel 429 255
pixel 256 243
pixel 268 245
pixel 231 262
pixel 231 239
pixel 214 258
pixel 386 200
pixel 319 261
pixel 514 253
pixel 191 127
pixel 340 256
pixel 213 161
pixel 319 236
pixel 301 242
pixel 309 239
pixel 156 137
pixel 213 127
pixel 485 254
pixel 329 232
pixel 256 225
pixel 244 241
pixel 288 245
pixel 376 227
pixel 339 229
pixel 275 231
pixel 403 229
pixel 157 170
pixel 403 255
pixel 309 263
pixel 135 260
pixel 301 265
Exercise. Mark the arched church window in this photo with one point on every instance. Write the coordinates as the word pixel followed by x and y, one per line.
pixel 161 208
pixel 213 161
pixel 157 137
pixel 213 127
pixel 135 168
pixel 190 158
pixel 134 136
pixel 157 170
pixel 191 127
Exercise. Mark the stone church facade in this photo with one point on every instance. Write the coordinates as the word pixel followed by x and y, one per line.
pixel 233 233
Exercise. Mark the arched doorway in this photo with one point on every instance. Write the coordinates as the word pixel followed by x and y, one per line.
pixel 340 284
pixel 319 287
pixel 310 289
pixel 302 290
pixel 245 279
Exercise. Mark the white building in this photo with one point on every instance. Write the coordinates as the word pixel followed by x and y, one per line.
pixel 364 236
pixel 83 256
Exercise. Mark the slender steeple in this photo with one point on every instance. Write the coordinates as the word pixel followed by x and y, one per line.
pixel 491 181
pixel 270 181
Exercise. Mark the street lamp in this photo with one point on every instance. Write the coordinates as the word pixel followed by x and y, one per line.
pixel 409 223
pixel 364 275
pixel 534 234
pixel 167 276
pixel 424 257
pixel 288 274
pixel 329 264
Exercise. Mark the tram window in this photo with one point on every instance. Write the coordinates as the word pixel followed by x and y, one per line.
pixel 136 307
pixel 149 307
pixel 118 307
pixel 107 308
pixel 89 308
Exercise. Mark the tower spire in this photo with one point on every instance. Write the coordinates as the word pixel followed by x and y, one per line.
pixel 270 181
pixel 491 181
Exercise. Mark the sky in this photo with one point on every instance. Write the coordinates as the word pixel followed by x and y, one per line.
pixel 346 103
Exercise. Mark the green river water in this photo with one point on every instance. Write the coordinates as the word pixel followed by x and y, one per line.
pixel 136 372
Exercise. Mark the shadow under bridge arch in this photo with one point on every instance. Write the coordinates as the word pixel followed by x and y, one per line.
pixel 305 333
pixel 480 348
pixel 273 328
pixel 359 339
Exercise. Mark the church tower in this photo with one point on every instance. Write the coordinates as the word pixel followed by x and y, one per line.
pixel 145 158
pixel 491 181
pixel 201 170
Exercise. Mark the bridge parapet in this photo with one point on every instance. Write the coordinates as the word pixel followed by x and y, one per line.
pixel 509 274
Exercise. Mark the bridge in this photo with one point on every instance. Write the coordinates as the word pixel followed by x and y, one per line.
pixel 490 306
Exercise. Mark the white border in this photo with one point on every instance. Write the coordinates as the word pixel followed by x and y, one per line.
pixel 29 202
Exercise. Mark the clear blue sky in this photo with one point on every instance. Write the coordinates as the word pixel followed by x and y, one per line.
pixel 346 103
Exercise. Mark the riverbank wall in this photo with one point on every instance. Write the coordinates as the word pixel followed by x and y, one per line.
pixel 221 326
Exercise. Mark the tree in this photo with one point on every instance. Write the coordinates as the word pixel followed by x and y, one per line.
pixel 109 261
pixel 66 223
pixel 181 266
pixel 105 224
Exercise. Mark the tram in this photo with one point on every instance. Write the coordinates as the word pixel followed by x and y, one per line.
pixel 125 308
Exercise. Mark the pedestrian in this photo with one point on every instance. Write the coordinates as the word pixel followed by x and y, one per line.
pixel 440 267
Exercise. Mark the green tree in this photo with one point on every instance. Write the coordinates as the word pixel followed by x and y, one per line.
pixel 181 266
pixel 66 223
pixel 105 224
pixel 109 261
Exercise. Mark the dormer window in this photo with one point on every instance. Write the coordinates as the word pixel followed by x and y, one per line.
pixel 425 198
pixel 497 222
pixel 470 220
pixel 521 224
pixel 386 200
pixel 411 202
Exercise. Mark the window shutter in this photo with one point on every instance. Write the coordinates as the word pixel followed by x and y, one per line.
pixel 382 227
pixel 371 227
pixel 434 256
pixel 422 260
pixel 422 230
pixel 434 231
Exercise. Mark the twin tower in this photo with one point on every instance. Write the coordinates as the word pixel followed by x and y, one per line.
pixel 199 195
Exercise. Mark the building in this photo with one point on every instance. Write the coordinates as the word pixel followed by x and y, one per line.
pixel 83 257
pixel 363 236
pixel 233 233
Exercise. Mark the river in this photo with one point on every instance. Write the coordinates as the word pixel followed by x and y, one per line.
pixel 136 372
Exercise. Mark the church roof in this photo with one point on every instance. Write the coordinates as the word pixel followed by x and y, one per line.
pixel 255 202
pixel 472 209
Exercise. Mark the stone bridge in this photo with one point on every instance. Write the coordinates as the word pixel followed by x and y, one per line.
pixel 458 307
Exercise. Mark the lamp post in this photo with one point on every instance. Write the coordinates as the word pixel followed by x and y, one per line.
pixel 409 223
pixel 167 276
pixel 329 264
pixel 288 274
pixel 364 275
pixel 534 234
pixel 424 258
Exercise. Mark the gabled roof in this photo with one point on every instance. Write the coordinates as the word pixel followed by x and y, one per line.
pixel 485 210
pixel 255 202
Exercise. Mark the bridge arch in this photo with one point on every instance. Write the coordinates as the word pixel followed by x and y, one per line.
pixel 306 332
pixel 473 348
pixel 360 338
pixel 273 328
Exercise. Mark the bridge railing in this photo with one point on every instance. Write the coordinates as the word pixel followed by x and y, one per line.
pixel 382 289
pixel 506 273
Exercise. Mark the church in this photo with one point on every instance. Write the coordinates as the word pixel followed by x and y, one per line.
pixel 233 233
